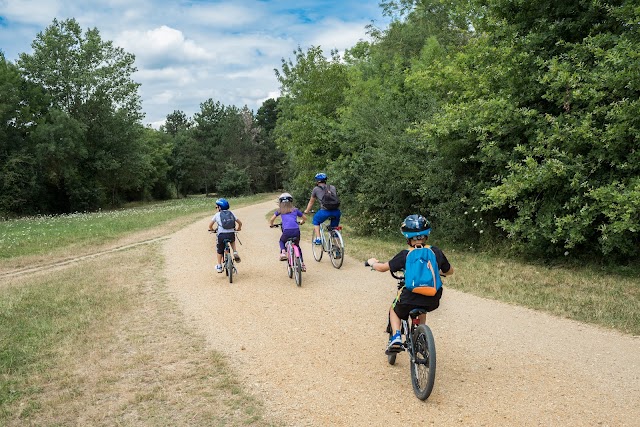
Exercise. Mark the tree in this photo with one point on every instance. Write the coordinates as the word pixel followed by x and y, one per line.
pixel 75 68
pixel 89 84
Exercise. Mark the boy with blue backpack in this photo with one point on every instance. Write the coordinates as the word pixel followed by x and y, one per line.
pixel 422 265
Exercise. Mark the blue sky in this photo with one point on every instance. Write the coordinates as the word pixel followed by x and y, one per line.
pixel 190 51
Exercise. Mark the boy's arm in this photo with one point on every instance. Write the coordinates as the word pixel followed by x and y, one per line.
pixel 377 265
pixel 239 227
pixel 211 225
pixel 448 272
pixel 312 200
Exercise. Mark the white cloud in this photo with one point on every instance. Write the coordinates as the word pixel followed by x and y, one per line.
pixel 337 34
pixel 189 51
pixel 162 45
pixel 39 12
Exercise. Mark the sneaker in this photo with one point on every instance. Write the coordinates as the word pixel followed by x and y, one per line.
pixel 219 268
pixel 304 268
pixel 337 254
pixel 236 257
pixel 283 256
pixel 318 241
pixel 395 341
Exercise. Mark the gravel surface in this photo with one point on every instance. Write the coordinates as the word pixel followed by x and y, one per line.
pixel 315 354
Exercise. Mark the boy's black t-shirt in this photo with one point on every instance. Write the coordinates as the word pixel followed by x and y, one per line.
pixel 398 262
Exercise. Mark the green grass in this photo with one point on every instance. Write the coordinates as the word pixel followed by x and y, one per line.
pixel 103 343
pixel 46 234
pixel 591 294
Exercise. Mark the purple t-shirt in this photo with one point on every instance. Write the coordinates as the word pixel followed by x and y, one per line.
pixel 290 220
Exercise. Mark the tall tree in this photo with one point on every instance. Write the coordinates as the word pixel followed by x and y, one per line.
pixel 74 68
pixel 89 81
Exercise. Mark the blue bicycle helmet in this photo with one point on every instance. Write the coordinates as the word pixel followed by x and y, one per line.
pixel 223 203
pixel 321 176
pixel 415 225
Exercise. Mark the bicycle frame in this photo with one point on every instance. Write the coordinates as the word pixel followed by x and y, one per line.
pixel 294 258
pixel 420 345
pixel 331 242
pixel 228 263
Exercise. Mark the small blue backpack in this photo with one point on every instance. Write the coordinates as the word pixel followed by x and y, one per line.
pixel 227 220
pixel 421 272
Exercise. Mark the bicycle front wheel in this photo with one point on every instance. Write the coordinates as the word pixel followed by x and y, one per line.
pixel 297 270
pixel 336 249
pixel 423 362
pixel 289 261
pixel 230 267
pixel 316 249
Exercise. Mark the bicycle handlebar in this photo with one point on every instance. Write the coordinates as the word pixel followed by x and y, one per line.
pixel 279 225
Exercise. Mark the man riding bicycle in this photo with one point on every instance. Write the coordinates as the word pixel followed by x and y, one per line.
pixel 329 205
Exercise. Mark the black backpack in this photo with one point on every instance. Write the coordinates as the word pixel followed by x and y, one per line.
pixel 227 220
pixel 330 199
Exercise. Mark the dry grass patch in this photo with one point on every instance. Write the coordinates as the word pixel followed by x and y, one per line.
pixel 126 357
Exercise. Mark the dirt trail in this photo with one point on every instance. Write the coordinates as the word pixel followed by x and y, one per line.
pixel 315 353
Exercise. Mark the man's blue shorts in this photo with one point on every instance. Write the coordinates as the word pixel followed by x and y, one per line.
pixel 322 215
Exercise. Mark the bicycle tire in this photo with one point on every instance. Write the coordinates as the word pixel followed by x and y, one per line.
pixel 230 267
pixel 289 261
pixel 391 357
pixel 316 249
pixel 298 270
pixel 336 254
pixel 423 362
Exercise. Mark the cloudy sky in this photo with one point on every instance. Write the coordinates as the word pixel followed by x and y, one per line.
pixel 190 51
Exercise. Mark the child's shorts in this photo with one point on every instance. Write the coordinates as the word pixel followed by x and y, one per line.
pixel 222 237
pixel 428 303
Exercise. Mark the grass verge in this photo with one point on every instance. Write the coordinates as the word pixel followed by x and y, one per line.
pixel 586 294
pixel 103 344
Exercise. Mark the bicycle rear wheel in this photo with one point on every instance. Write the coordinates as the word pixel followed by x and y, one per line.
pixel 336 249
pixel 316 249
pixel 423 362
pixel 297 270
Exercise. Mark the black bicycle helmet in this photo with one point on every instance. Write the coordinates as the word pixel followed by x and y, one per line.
pixel 415 225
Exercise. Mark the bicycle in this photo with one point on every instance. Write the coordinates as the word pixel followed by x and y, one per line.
pixel 332 244
pixel 421 347
pixel 294 258
pixel 228 263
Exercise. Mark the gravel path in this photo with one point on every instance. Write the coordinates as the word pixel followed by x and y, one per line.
pixel 316 353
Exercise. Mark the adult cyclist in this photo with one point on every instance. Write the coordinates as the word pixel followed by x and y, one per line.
pixel 327 195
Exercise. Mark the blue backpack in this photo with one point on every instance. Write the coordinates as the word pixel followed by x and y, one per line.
pixel 227 220
pixel 421 272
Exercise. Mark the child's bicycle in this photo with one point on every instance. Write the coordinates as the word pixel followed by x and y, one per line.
pixel 228 263
pixel 332 244
pixel 421 346
pixel 294 259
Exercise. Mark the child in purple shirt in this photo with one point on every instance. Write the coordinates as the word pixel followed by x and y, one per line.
pixel 290 226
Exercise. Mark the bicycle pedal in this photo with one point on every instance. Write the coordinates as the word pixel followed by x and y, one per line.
pixel 394 349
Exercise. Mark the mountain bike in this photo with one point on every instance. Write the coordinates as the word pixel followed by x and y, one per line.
pixel 421 347
pixel 294 258
pixel 332 244
pixel 228 263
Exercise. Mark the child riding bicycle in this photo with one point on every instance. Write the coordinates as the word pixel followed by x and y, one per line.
pixel 415 229
pixel 290 227
pixel 329 205
pixel 226 227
